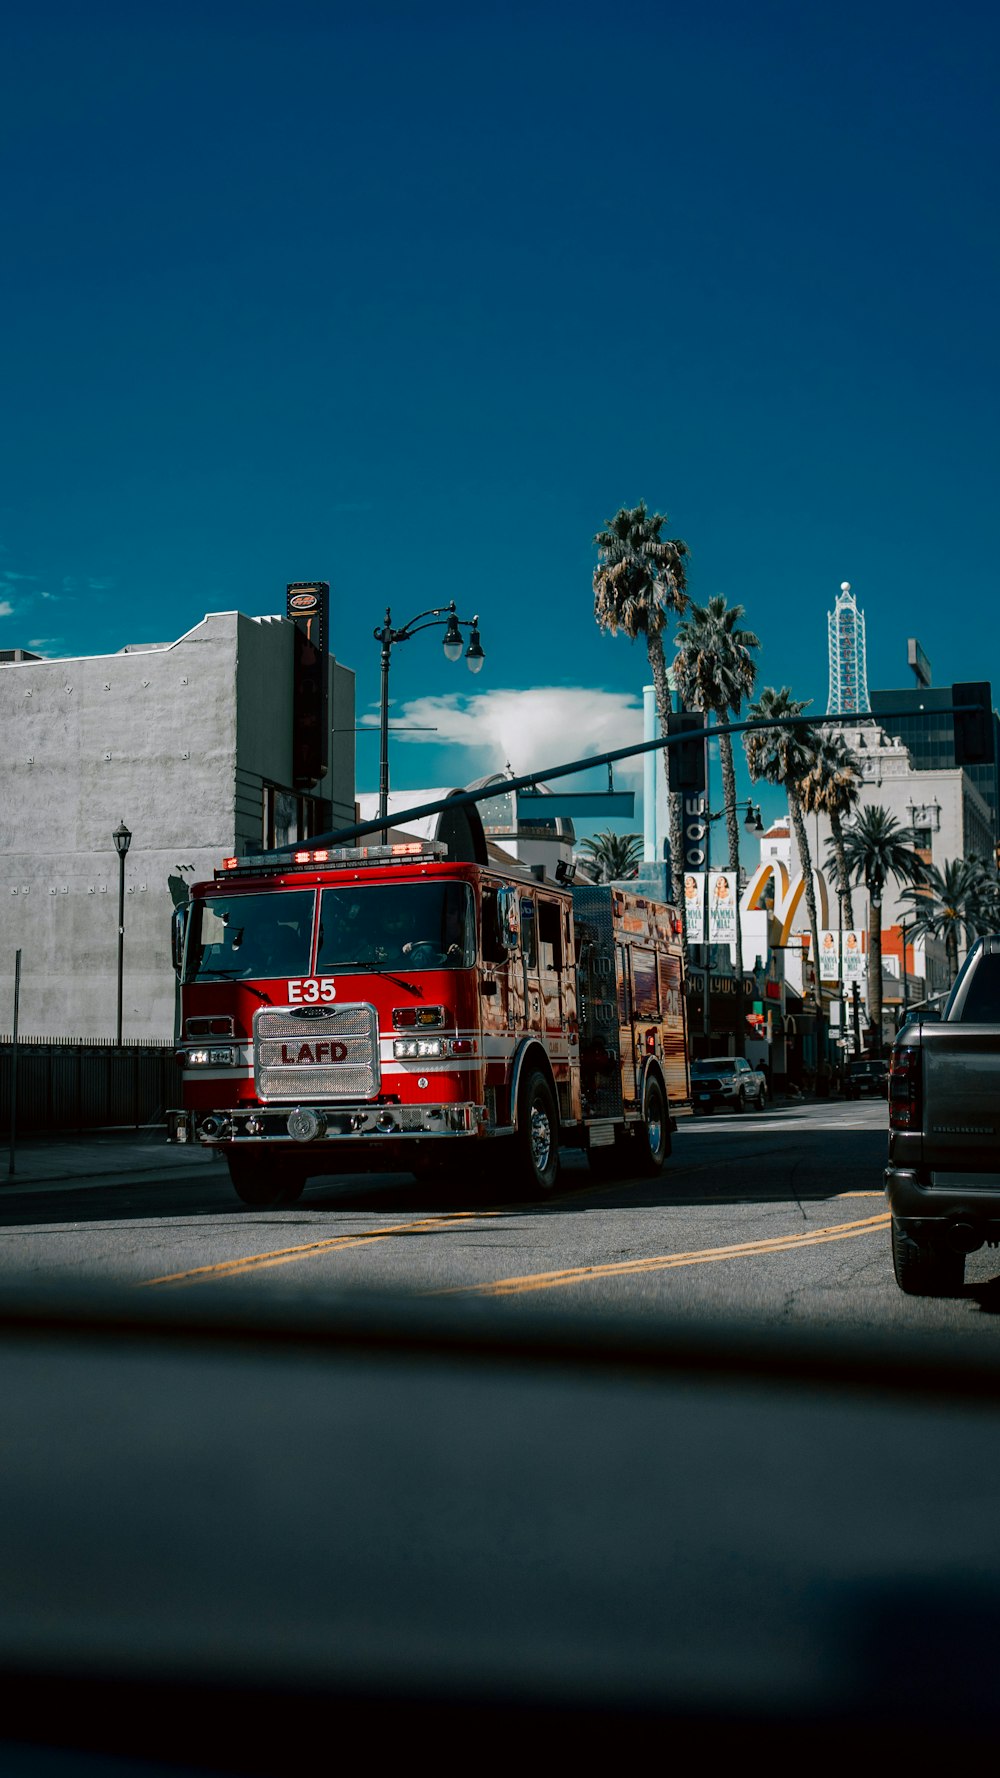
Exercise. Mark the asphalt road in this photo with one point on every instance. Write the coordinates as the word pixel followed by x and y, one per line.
pixel 778 1217
pixel 649 1455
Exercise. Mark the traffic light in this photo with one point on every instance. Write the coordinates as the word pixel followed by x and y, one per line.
pixel 687 758
pixel 973 739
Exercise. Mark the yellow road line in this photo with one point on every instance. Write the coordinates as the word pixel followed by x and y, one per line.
pixel 285 1256
pixel 841 1231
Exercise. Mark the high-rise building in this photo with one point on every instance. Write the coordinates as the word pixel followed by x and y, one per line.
pixel 921 719
pixel 848 665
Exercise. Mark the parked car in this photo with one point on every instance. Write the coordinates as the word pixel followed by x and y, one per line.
pixel 727 1080
pixel 866 1077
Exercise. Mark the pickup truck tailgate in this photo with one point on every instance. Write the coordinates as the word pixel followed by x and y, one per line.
pixel 961 1093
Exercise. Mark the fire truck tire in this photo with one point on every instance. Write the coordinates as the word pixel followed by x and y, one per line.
pixel 538 1132
pixel 257 1181
pixel 652 1138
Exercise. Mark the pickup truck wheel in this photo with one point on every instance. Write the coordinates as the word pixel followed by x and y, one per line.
pixel 652 1138
pixel 761 1100
pixel 742 1101
pixel 256 1180
pixel 922 1269
pixel 538 1133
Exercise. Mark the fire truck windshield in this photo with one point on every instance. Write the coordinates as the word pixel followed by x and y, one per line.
pixel 425 925
pixel 234 936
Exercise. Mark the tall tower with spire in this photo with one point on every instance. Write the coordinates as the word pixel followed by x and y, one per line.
pixel 848 665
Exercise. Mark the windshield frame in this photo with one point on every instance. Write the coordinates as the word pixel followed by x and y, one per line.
pixel 396 944
pixel 260 968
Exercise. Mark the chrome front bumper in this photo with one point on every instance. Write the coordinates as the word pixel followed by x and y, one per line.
pixel 298 1124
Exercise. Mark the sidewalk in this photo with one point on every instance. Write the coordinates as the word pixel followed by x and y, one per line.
pixel 63 1159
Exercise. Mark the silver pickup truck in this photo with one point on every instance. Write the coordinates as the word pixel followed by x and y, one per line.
pixel 727 1080
pixel 943 1177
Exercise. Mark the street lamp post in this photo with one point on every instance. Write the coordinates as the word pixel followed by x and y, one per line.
pixel 753 823
pixel 447 616
pixel 122 839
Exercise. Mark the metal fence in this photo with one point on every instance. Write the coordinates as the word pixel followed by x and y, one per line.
pixel 89 1084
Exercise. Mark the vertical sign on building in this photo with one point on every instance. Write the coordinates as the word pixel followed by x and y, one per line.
pixel 829 956
pixel 309 609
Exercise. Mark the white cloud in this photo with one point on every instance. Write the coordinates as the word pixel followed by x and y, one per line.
pixel 8 574
pixel 544 725
pixel 6 608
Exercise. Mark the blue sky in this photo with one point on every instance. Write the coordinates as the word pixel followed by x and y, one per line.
pixel 412 297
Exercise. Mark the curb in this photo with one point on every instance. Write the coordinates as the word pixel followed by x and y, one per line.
pixel 22 1186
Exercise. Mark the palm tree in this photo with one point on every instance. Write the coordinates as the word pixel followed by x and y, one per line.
pixel 714 671
pixel 639 581
pixel 955 903
pixel 783 756
pixel 832 787
pixel 615 855
pixel 876 848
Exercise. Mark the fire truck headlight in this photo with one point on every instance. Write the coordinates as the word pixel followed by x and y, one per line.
pixel 213 1058
pixel 404 1046
pixel 430 1046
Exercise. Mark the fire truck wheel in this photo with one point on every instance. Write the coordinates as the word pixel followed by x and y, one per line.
pixel 256 1181
pixel 292 1185
pixel 652 1138
pixel 538 1132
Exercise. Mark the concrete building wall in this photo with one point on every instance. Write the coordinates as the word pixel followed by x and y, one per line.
pixel 177 741
pixel 943 802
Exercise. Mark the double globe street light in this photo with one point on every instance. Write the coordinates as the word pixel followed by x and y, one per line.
pixel 445 616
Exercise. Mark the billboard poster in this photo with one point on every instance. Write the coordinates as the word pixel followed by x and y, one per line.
pixel 829 957
pixel 721 909
pixel 854 958
pixel 694 906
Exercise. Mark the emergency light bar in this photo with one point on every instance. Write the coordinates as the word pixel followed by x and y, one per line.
pixel 332 858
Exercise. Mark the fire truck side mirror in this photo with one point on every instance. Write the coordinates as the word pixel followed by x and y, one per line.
pixel 178 928
pixel 508 918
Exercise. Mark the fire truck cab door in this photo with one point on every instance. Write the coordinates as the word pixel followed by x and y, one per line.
pixel 551 960
pixel 531 985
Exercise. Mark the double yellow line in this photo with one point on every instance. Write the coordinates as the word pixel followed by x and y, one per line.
pixel 286 1256
pixel 663 1262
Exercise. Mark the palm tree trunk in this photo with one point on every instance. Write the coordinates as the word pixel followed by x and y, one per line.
pixel 875 967
pixel 843 878
pixel 661 689
pixel 805 859
pixel 733 831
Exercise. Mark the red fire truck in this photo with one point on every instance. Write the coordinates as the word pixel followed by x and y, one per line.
pixel 381 1007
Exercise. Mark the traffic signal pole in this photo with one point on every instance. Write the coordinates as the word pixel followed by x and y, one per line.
pixel 682 738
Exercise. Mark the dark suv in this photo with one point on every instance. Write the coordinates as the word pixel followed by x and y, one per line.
pixel 866 1077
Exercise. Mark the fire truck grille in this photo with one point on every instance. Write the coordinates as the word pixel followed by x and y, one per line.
pixel 326 1053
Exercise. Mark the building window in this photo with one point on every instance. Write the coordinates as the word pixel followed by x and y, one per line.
pixel 289 817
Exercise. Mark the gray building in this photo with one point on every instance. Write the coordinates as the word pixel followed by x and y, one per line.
pixel 920 718
pixel 190 744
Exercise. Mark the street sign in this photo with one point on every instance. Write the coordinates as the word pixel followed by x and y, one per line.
pixel 582 803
